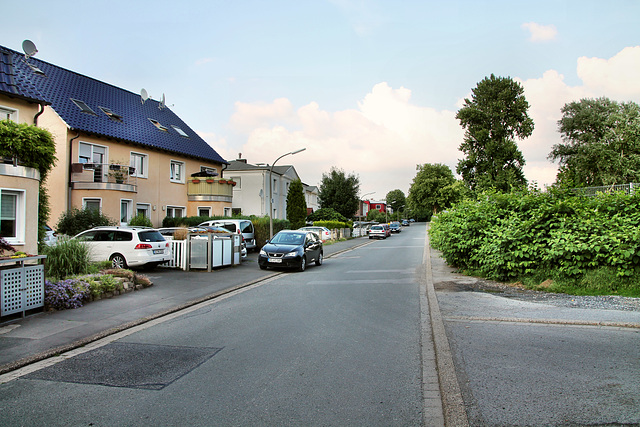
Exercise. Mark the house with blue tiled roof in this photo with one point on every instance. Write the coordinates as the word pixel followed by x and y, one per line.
pixel 117 150
pixel 21 102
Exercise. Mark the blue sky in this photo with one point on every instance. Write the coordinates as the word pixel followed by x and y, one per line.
pixel 371 87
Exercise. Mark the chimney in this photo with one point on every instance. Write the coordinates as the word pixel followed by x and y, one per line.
pixel 240 159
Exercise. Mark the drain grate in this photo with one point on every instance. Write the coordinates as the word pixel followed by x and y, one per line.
pixel 129 365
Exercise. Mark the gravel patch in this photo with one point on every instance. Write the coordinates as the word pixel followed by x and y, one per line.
pixel 602 302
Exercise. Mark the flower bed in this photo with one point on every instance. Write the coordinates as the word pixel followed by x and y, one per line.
pixel 75 292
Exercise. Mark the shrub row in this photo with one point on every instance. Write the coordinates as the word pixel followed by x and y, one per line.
pixel 511 236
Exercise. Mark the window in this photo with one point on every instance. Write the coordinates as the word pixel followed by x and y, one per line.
pixel 8 114
pixel 159 125
pixel 113 116
pixel 140 162
pixel 180 131
pixel 177 171
pixel 12 215
pixel 204 211
pixel 175 212
pixel 275 186
pixel 126 211
pixel 227 211
pixel 95 204
pixel 83 106
pixel 143 209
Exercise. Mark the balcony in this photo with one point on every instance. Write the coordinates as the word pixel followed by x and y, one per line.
pixel 209 190
pixel 103 176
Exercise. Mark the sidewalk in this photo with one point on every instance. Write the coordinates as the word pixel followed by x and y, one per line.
pixel 42 335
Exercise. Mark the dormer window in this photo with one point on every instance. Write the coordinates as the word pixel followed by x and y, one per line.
pixel 180 131
pixel 83 106
pixel 159 125
pixel 113 116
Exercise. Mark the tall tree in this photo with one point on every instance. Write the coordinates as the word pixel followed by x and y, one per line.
pixel 494 116
pixel 296 205
pixel 340 192
pixel 601 143
pixel 433 189
pixel 396 200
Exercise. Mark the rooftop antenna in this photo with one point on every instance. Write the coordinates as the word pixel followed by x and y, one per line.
pixel 162 103
pixel 143 95
pixel 29 48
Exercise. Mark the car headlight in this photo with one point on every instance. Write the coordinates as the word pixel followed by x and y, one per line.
pixel 262 252
pixel 291 254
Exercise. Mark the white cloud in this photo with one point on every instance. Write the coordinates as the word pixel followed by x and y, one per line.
pixel 540 33
pixel 386 135
pixel 616 77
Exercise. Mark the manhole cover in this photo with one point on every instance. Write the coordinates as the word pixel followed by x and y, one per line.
pixel 130 365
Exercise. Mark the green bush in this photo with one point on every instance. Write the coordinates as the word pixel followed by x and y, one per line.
pixel 261 226
pixel 327 214
pixel 140 221
pixel 77 220
pixel 67 258
pixel 552 235
pixel 332 225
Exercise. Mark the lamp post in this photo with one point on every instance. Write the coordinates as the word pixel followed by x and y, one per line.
pixel 271 190
pixel 366 194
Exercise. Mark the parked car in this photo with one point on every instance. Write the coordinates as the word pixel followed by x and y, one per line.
pixel 51 237
pixel 126 246
pixel 323 232
pixel 241 226
pixel 291 249
pixel 394 227
pixel 405 223
pixel 377 232
pixel 386 229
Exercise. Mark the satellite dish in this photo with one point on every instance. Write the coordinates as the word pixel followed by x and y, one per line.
pixel 162 103
pixel 144 95
pixel 29 48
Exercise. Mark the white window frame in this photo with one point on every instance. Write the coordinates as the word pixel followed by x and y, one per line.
pixel 129 214
pixel 145 208
pixel 181 177
pixel 204 208
pixel 144 162
pixel 92 199
pixel 8 113
pixel 227 212
pixel 171 211
pixel 20 215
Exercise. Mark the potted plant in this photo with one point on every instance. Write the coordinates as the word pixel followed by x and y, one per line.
pixel 195 180
pixel 210 180
pixel 117 171
pixel 223 181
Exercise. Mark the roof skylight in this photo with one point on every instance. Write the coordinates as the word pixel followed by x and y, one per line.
pixel 180 131
pixel 83 106
pixel 111 114
pixel 159 125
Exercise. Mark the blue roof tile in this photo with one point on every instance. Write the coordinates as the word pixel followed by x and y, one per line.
pixel 13 79
pixel 59 86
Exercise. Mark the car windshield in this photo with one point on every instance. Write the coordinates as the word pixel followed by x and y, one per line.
pixel 288 238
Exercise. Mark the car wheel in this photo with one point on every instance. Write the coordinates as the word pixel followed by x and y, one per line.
pixel 263 267
pixel 303 264
pixel 319 260
pixel 118 261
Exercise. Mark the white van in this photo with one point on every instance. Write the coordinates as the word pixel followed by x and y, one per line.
pixel 243 226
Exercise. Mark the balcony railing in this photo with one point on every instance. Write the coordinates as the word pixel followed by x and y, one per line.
pixel 210 190
pixel 103 176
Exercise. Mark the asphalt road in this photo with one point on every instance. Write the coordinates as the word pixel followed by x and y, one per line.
pixel 522 363
pixel 339 344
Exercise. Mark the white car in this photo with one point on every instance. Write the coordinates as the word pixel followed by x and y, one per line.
pixel 126 246
pixel 323 232
pixel 377 232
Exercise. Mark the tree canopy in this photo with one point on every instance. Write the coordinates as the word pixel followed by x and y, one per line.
pixel 296 205
pixel 495 115
pixel 396 200
pixel 340 192
pixel 601 143
pixel 433 189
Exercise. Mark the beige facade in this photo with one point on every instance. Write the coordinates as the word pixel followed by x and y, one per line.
pixel 150 190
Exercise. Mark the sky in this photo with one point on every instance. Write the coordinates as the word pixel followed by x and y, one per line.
pixel 368 87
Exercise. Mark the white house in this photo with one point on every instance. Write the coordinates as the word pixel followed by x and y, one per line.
pixel 253 183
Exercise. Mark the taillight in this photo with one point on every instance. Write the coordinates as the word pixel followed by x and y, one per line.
pixel 143 246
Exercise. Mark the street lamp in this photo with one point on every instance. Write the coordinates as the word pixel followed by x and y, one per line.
pixel 271 190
